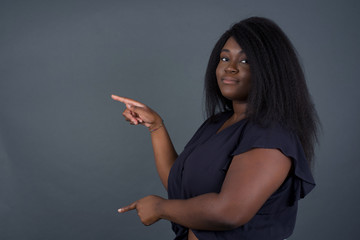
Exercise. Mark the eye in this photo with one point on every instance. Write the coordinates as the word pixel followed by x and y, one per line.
pixel 245 61
pixel 224 59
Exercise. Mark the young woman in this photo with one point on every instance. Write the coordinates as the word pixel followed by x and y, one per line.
pixel 242 173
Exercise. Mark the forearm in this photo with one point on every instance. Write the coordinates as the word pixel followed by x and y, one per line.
pixel 164 153
pixel 204 212
pixel 137 113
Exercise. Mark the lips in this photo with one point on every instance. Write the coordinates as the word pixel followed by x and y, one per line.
pixel 229 80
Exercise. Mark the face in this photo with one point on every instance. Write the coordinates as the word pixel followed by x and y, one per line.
pixel 233 72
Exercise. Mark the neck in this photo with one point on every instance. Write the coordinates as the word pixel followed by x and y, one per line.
pixel 239 110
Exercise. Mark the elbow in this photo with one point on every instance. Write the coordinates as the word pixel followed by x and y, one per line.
pixel 233 223
pixel 233 218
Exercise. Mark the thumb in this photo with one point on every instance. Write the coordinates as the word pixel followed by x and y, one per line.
pixel 127 208
pixel 141 111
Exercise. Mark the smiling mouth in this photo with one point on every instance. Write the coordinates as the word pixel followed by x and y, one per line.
pixel 229 80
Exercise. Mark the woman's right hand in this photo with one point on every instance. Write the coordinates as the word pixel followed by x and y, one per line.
pixel 138 113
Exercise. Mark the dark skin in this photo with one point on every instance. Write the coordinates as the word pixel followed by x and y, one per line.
pixel 251 179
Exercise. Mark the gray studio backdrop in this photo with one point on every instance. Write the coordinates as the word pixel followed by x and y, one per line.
pixel 67 158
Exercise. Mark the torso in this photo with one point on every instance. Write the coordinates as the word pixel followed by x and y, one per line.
pixel 230 122
pixel 211 149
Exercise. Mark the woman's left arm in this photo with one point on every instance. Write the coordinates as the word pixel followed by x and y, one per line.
pixel 251 179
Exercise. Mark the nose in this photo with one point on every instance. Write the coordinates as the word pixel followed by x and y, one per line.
pixel 231 67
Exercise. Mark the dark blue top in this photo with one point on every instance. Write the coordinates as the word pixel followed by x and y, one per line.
pixel 202 166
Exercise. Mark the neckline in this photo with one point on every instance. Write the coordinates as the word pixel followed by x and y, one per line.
pixel 222 122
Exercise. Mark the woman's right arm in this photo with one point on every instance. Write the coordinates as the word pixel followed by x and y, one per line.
pixel 164 151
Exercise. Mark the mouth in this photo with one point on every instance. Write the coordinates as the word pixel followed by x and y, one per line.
pixel 229 80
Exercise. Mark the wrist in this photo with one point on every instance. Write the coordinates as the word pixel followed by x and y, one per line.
pixel 156 126
pixel 161 208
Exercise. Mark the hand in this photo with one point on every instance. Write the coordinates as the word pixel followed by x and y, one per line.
pixel 138 113
pixel 148 209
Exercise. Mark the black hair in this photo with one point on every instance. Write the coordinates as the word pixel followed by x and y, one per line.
pixel 278 88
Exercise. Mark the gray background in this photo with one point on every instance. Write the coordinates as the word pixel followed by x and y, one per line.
pixel 67 158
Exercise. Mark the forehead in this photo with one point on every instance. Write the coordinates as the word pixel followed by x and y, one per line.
pixel 232 45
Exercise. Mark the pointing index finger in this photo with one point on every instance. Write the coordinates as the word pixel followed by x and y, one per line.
pixel 127 208
pixel 127 100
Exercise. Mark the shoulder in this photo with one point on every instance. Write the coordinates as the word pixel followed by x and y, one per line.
pixel 271 136
pixel 271 133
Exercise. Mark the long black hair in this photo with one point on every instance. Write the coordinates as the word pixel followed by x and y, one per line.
pixel 278 88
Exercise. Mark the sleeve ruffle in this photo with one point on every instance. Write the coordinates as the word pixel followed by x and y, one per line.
pixel 277 137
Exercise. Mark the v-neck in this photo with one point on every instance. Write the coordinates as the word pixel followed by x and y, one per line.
pixel 221 123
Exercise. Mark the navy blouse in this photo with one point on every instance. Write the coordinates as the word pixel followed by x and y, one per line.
pixel 202 166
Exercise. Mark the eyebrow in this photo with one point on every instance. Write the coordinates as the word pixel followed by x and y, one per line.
pixel 227 50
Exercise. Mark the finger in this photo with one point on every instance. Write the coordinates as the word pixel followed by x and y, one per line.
pixel 127 208
pixel 130 117
pixel 138 112
pixel 140 120
pixel 127 101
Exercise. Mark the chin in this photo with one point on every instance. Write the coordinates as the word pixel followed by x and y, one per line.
pixel 233 96
pixel 236 98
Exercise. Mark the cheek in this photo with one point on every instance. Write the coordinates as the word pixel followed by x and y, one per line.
pixel 246 77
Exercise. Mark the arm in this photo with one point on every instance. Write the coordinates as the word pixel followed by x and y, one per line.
pixel 251 179
pixel 164 151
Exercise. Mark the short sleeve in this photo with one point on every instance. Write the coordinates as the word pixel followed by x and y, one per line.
pixel 277 137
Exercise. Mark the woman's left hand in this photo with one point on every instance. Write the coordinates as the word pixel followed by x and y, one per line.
pixel 148 209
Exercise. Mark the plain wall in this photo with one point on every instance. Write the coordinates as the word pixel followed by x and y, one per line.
pixel 68 161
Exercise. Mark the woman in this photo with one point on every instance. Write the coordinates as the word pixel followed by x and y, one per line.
pixel 242 173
